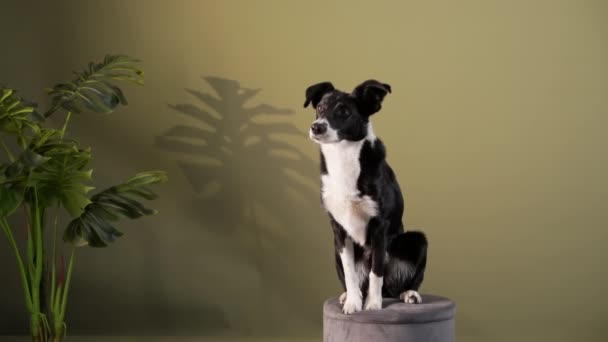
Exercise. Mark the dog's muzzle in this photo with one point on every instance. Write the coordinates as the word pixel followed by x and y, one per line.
pixel 322 133
pixel 318 128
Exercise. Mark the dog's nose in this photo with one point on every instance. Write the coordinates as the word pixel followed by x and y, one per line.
pixel 318 128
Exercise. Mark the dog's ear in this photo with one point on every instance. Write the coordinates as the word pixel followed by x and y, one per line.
pixel 370 95
pixel 315 93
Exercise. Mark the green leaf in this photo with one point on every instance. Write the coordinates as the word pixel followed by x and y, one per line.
pixel 16 115
pixel 35 116
pixel 64 176
pixel 10 200
pixel 93 89
pixel 5 94
pixel 14 169
pixel 118 92
pixel 20 168
pixel 143 178
pixel 33 159
pixel 75 202
pixel 95 226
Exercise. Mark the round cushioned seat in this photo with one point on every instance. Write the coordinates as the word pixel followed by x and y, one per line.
pixel 433 320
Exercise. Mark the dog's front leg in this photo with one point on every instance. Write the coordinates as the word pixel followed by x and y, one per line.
pixel 377 233
pixel 353 302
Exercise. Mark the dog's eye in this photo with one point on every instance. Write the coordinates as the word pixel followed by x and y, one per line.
pixel 342 111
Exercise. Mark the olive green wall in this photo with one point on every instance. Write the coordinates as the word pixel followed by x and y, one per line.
pixel 496 128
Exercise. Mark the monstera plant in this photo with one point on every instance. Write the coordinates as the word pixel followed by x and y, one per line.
pixel 44 173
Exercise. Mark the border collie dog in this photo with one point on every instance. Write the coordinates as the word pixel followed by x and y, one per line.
pixel 375 258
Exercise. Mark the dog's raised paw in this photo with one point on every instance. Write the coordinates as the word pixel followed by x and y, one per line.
pixel 411 297
pixel 352 304
pixel 342 298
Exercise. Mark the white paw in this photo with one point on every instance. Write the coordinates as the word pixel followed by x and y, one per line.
pixel 352 304
pixel 373 303
pixel 342 298
pixel 411 297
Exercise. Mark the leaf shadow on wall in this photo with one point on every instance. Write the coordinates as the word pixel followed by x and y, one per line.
pixel 255 192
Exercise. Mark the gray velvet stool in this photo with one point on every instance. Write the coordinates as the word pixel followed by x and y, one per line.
pixel 433 320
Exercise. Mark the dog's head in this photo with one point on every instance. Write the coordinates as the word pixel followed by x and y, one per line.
pixel 343 116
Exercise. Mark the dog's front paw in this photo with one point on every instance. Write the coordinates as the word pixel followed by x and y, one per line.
pixel 342 298
pixel 352 304
pixel 373 303
pixel 411 297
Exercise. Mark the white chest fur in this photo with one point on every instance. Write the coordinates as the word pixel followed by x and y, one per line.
pixel 340 194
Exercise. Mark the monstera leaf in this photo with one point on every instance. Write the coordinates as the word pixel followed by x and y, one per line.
pixel 92 89
pixel 19 169
pixel 14 179
pixel 64 175
pixel 10 199
pixel 95 226
pixel 17 114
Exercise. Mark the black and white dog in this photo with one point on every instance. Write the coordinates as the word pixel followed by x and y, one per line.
pixel 365 205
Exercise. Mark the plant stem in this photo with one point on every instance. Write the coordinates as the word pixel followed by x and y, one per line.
pixel 52 110
pixel 65 124
pixel 30 244
pixel 53 271
pixel 37 229
pixel 22 142
pixel 60 333
pixel 8 152
pixel 64 300
pixel 56 303
pixel 62 294
pixel 24 281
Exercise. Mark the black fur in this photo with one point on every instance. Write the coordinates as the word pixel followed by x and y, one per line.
pixel 349 114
